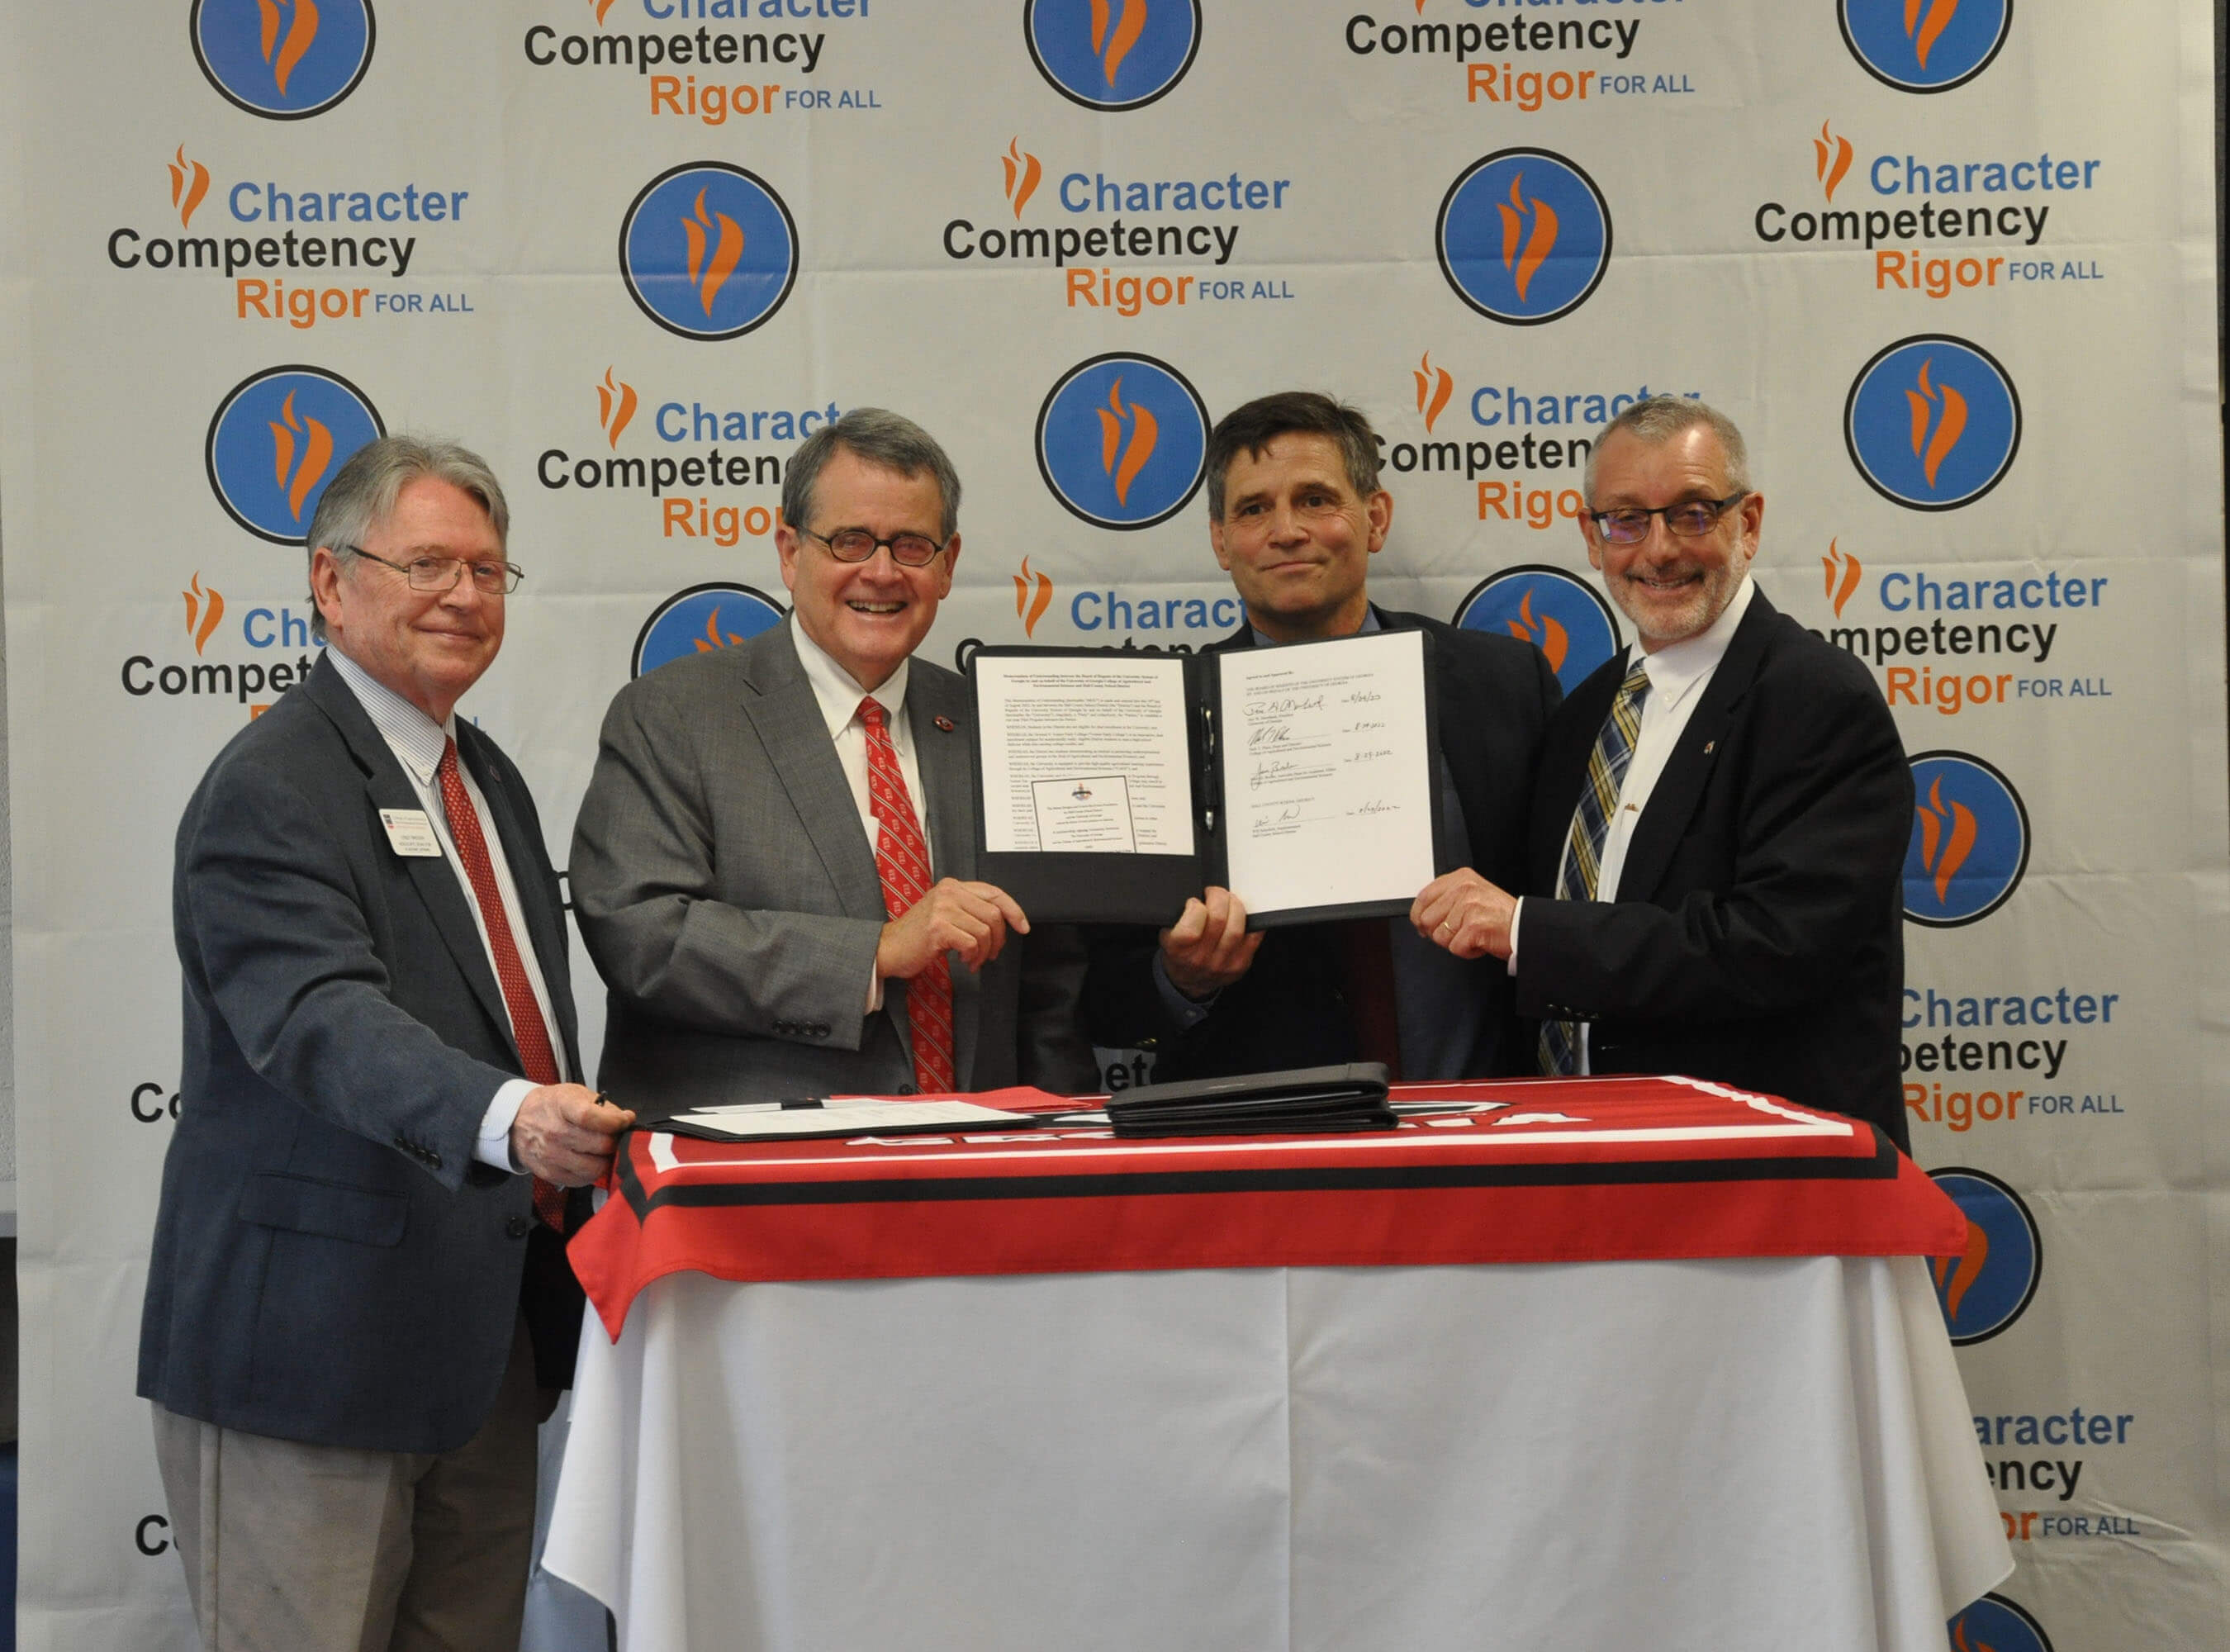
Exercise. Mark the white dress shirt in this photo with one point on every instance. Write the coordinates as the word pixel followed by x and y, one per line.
pixel 416 740
pixel 838 695
pixel 1678 674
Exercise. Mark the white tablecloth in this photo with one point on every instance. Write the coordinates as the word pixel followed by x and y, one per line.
pixel 1767 1454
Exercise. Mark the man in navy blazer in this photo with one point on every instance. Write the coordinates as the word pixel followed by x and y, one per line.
pixel 1721 819
pixel 354 1295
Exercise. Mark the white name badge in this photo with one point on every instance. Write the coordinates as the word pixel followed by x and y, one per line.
pixel 409 832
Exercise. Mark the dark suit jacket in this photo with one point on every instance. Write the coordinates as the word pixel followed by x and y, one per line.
pixel 1290 1009
pixel 1758 939
pixel 331 1264
pixel 728 893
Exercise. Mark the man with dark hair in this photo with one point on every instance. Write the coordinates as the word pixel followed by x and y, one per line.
pixel 1720 827
pixel 354 1293
pixel 774 867
pixel 1295 514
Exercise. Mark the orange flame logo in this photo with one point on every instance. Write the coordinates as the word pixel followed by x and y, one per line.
pixel 1521 264
pixel 1433 389
pixel 284 55
pixel 1113 47
pixel 1145 430
pixel 1033 593
pixel 204 607
pixel 1545 633
pixel 1947 836
pixel 601 6
pixel 1832 158
pixel 317 452
pixel 714 637
pixel 1023 174
pixel 189 181
pixel 1843 572
pixel 1961 1271
pixel 616 404
pixel 706 274
pixel 1927 402
pixel 1959 1639
pixel 1922 32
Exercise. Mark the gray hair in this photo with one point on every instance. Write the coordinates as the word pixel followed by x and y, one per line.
pixel 363 492
pixel 885 440
pixel 1658 419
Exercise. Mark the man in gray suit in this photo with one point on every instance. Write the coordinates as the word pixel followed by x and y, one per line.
pixel 354 1294
pixel 752 866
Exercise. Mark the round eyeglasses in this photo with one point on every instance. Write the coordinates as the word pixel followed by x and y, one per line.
pixel 1689 520
pixel 857 544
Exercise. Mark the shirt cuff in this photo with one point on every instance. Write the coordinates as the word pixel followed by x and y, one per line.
pixel 1188 1013
pixel 1517 911
pixel 494 1147
pixel 875 990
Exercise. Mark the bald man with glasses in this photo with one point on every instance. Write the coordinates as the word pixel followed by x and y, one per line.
pixel 1720 818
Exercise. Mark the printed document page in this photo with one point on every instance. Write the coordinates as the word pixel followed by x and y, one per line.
pixel 1083 754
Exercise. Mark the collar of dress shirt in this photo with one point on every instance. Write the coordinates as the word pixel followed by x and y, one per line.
pixel 1676 669
pixel 415 737
pixel 835 691
pixel 1370 624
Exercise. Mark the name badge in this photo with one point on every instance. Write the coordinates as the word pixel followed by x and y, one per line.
pixel 409 832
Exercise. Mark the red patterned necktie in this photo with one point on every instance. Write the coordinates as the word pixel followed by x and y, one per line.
pixel 902 858
pixel 526 1024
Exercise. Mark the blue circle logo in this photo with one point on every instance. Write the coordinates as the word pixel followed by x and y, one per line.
pixel 700 620
pixel 285 60
pixel 1523 236
pixel 1112 54
pixel 1986 1287
pixel 708 250
pixel 1563 616
pixel 1123 441
pixel 1969 840
pixel 1932 422
pixel 1995 1624
pixel 276 440
pixel 1930 47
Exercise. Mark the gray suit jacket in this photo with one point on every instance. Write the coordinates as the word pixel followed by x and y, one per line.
pixel 331 1264
pixel 727 891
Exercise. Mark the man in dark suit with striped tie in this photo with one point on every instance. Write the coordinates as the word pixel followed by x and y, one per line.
pixel 1720 820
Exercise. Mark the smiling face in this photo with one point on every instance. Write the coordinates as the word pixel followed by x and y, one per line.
pixel 1297 539
pixel 868 615
pixel 1671 587
pixel 428 646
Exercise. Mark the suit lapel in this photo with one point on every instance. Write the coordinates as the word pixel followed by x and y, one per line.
pixel 779 702
pixel 1672 800
pixel 387 787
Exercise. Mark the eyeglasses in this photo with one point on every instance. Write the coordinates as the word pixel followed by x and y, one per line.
pixel 442 573
pixel 857 544
pixel 1690 520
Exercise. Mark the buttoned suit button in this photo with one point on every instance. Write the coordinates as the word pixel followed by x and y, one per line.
pixel 516 1227
pixel 908 1089
pixel 433 1158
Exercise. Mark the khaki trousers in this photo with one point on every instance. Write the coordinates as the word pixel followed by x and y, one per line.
pixel 291 1547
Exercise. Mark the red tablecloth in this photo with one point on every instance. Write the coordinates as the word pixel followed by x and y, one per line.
pixel 1546 1171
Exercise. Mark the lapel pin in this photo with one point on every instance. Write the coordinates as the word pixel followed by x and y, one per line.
pixel 943 723
pixel 1710 746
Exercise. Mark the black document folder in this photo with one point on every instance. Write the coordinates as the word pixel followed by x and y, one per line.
pixel 1296 1101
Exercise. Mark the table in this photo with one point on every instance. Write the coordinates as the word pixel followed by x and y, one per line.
pixel 1222 1442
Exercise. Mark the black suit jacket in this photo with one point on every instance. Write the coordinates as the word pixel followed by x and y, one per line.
pixel 331 1264
pixel 1290 1009
pixel 1758 939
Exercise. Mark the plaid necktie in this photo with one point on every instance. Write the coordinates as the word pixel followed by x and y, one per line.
pixel 536 1059
pixel 1583 847
pixel 902 860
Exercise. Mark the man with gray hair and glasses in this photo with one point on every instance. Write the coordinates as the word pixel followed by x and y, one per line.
pixel 1721 815
pixel 359 1307
pixel 774 867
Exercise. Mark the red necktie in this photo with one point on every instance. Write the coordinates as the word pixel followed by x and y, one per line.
pixel 902 858
pixel 526 1025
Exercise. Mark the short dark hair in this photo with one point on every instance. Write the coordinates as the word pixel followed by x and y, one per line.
pixel 885 440
pixel 1255 426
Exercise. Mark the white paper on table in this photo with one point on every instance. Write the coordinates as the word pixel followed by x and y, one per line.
pixel 840 1118
pixel 1327 772
pixel 1054 723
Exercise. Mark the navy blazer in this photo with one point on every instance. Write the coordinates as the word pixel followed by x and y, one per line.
pixel 1290 1009
pixel 1758 938
pixel 331 1264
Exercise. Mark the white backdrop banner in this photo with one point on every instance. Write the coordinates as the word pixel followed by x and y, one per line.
pixel 1948 262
